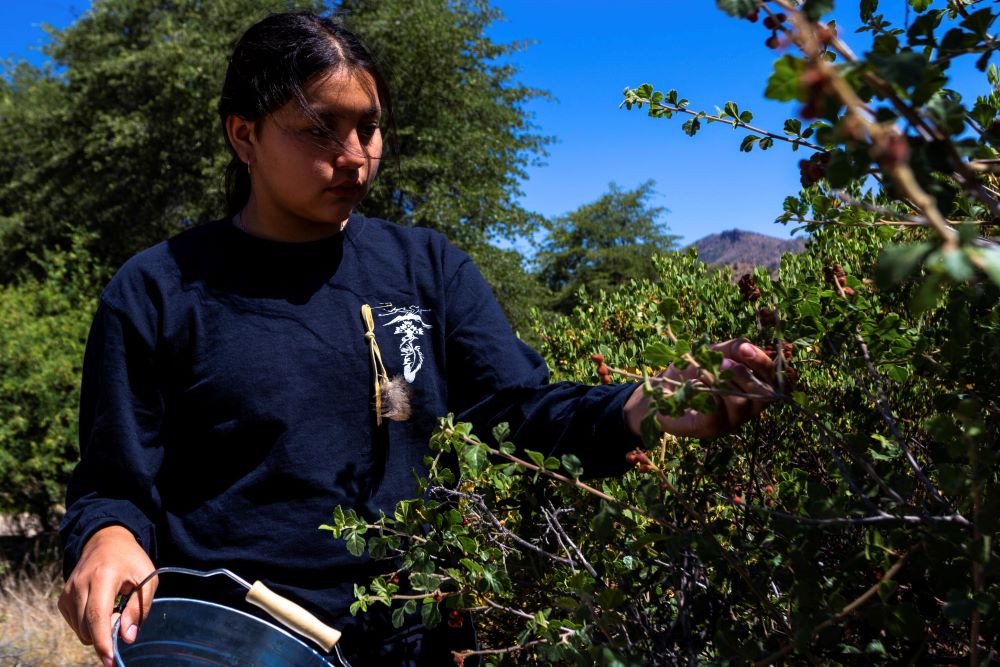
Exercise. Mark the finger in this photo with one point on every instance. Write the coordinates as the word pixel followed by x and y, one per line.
pixel 97 617
pixel 694 424
pixel 137 610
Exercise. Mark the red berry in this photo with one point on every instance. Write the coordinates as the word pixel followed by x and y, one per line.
pixel 395 578
pixel 772 42
pixel 637 456
pixel 738 499
pixel 605 379
pixel 603 370
pixel 753 15
pixel 438 597
pixel 770 489
pixel 767 317
pixel 597 358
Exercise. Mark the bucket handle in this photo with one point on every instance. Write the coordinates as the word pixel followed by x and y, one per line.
pixel 281 609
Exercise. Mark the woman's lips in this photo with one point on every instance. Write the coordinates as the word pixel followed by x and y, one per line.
pixel 346 189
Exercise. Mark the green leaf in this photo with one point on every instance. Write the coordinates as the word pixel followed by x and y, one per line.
pixel 571 464
pixel 956 264
pixel 430 614
pixel 737 8
pixel 691 126
pixel 920 5
pixel 816 9
pixel 355 545
pixel 398 617
pixel 766 143
pixel 731 109
pixel 898 262
pixel 867 9
pixel 658 355
pixel 784 83
pixel 990 258
pixel 905 68
pixel 536 457
pixel 748 141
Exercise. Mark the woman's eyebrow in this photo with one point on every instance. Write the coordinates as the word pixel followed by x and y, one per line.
pixel 327 114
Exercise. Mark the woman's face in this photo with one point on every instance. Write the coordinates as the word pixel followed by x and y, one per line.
pixel 307 178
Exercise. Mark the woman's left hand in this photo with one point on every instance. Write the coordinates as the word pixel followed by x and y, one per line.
pixel 753 372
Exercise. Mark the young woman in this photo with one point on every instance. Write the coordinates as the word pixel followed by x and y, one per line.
pixel 227 397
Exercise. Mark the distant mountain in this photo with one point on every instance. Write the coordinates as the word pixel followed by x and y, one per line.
pixel 745 249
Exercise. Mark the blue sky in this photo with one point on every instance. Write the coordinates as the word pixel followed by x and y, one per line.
pixel 585 52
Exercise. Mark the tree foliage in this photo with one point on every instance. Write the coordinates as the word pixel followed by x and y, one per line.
pixel 856 521
pixel 603 244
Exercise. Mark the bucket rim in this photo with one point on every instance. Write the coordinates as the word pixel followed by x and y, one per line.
pixel 196 603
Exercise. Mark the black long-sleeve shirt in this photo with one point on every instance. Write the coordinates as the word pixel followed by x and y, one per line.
pixel 227 397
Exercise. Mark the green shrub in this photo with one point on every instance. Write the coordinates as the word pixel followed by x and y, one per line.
pixel 43 329
pixel 855 522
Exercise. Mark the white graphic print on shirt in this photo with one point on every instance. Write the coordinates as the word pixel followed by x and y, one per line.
pixel 409 325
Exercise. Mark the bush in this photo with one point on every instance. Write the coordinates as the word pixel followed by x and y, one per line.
pixel 855 521
pixel 43 329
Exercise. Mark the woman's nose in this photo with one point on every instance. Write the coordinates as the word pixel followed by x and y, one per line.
pixel 351 155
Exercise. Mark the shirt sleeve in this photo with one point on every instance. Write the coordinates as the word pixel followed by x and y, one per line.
pixel 494 377
pixel 120 418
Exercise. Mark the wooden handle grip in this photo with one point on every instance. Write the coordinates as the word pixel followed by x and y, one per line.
pixel 293 616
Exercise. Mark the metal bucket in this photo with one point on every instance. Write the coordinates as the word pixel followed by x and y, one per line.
pixel 180 632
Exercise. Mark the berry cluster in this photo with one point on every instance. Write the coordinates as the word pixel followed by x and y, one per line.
pixel 638 458
pixel 767 317
pixel 817 85
pixel 813 169
pixel 748 288
pixel 786 351
pixel 602 371
pixel 773 23
pixel 836 277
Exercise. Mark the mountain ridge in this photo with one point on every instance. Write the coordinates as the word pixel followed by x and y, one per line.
pixel 741 248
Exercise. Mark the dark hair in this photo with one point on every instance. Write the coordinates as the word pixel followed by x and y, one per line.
pixel 272 63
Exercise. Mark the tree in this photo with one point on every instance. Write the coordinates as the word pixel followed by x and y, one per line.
pixel 125 142
pixel 603 245
pixel 463 136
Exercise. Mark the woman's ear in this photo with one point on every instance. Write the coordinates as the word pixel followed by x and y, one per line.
pixel 240 132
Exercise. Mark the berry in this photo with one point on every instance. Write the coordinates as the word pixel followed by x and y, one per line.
pixel 603 370
pixel 767 317
pixel 395 579
pixel 438 597
pixel 637 456
pixel 748 288
pixel 753 15
pixel 772 42
pixel 455 619
pixel 597 358
pixel 465 521
pixel 738 499
pixel 769 489
pixel 835 273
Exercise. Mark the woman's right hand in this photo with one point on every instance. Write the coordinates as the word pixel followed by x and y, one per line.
pixel 112 563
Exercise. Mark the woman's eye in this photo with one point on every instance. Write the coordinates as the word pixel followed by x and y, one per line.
pixel 368 131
